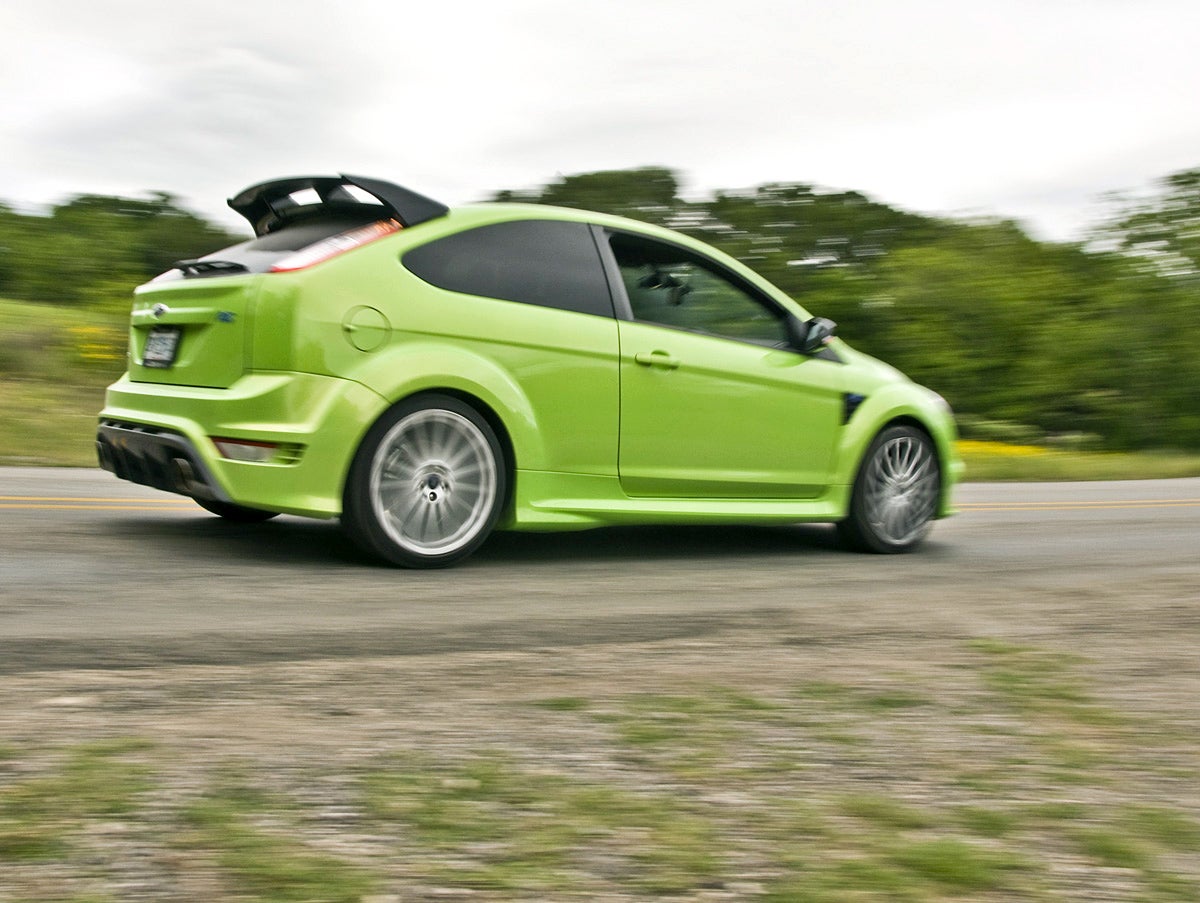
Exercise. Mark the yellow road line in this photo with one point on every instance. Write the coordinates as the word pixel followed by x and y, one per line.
pixel 89 498
pixel 35 503
pixel 1078 506
pixel 91 503
pixel 158 508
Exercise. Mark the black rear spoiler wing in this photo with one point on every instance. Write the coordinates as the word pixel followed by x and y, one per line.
pixel 268 205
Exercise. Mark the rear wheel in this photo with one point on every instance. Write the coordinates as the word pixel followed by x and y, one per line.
pixel 895 494
pixel 235 513
pixel 427 483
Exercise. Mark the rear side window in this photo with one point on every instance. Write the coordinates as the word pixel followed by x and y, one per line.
pixel 543 262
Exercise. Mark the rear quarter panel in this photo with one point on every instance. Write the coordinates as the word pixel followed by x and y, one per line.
pixel 551 376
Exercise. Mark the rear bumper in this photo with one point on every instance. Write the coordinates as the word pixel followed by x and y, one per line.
pixel 154 457
pixel 162 436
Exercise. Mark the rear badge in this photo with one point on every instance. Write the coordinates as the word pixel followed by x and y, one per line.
pixel 226 316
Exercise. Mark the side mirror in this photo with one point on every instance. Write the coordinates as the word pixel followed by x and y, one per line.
pixel 809 337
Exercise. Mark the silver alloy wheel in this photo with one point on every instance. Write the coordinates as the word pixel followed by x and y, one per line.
pixel 433 482
pixel 900 489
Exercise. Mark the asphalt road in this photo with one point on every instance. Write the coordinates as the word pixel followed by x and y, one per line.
pixel 97 573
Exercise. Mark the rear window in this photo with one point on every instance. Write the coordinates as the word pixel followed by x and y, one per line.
pixel 258 255
pixel 298 236
pixel 542 262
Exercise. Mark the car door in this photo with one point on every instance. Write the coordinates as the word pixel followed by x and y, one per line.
pixel 714 403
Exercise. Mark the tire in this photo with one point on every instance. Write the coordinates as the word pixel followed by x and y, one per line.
pixel 235 513
pixel 427 484
pixel 896 492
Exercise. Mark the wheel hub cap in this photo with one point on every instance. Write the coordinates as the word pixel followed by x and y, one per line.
pixel 433 482
pixel 902 489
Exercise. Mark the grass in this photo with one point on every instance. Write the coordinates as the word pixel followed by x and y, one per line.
pixel 54 365
pixel 39 815
pixel 1111 848
pixel 985 821
pixel 956 865
pixel 1163 826
pixel 885 812
pixel 501 826
pixel 1000 462
pixel 1032 680
pixel 48 424
pixel 267 864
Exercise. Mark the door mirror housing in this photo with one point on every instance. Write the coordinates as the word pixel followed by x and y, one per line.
pixel 810 336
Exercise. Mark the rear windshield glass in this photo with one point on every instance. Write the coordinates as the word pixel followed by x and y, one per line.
pixel 302 234
pixel 258 255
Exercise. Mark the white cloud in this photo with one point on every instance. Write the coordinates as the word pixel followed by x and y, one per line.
pixel 1029 108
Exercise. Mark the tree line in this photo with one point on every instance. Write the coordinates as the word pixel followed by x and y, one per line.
pixel 1092 341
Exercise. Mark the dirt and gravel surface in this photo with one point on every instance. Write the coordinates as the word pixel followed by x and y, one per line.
pixel 1045 629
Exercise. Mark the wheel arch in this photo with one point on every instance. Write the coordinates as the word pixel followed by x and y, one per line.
pixel 484 410
pixel 895 497
pixel 900 406
pixel 944 455
pixel 916 423
pixel 920 425
pixel 376 529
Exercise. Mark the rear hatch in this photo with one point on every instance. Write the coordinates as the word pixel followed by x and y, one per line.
pixel 191 333
pixel 192 325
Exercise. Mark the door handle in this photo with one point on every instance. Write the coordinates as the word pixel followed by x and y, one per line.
pixel 660 359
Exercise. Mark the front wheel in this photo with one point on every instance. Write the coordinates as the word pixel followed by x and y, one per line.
pixel 896 493
pixel 426 485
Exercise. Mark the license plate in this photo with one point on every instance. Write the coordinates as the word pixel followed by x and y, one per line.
pixel 162 344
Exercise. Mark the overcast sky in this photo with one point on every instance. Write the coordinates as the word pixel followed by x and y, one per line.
pixel 1030 109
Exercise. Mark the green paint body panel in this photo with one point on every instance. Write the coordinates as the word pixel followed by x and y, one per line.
pixel 733 432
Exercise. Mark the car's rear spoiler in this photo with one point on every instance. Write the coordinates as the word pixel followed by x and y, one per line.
pixel 269 205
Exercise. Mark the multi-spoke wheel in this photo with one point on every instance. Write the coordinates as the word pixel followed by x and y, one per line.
pixel 896 493
pixel 427 483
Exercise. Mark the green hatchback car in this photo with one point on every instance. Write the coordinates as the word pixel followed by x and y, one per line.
pixel 430 375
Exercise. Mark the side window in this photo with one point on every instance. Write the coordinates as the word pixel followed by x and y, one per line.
pixel 543 262
pixel 675 287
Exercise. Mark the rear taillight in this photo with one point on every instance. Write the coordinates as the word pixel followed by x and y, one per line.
pixel 335 245
pixel 243 450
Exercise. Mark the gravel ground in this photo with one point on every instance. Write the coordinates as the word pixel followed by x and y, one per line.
pixel 771 717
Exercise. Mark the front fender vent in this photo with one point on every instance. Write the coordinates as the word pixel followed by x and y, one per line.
pixel 850 403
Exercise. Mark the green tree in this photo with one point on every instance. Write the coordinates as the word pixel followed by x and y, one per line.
pixel 1158 238
pixel 94 249
pixel 648 193
pixel 1164 229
